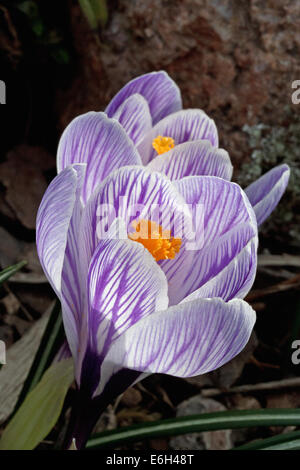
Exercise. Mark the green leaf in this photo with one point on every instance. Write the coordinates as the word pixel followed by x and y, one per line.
pixel 197 423
pixel 50 342
pixel 32 11
pixel 282 441
pixel 61 55
pixel 40 409
pixel 100 10
pixel 10 271
pixel 290 445
pixel 89 13
pixel 95 12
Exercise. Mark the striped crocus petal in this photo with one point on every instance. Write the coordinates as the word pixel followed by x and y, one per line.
pixel 183 126
pixel 265 193
pixel 52 224
pixel 101 143
pixel 160 91
pixel 135 117
pixel 131 193
pixel 73 284
pixel 193 158
pixel 125 284
pixel 224 223
pixel 235 279
pixel 188 339
pixel 56 233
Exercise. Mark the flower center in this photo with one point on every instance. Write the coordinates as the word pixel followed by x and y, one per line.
pixel 158 241
pixel 162 144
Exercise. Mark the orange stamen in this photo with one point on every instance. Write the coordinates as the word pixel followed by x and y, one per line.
pixel 158 242
pixel 163 144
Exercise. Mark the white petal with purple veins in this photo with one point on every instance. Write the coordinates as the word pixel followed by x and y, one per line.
pixel 184 126
pixel 52 225
pixel 193 158
pixel 101 143
pixel 226 226
pixel 265 193
pixel 125 284
pixel 160 91
pixel 234 280
pixel 135 117
pixel 73 283
pixel 57 221
pixel 132 193
pixel 186 340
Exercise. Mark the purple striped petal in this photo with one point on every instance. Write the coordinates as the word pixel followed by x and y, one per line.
pixel 57 222
pixel 160 91
pixel 265 193
pixel 135 117
pixel 234 280
pixel 100 142
pixel 193 158
pixel 85 354
pixel 132 193
pixel 186 340
pixel 225 225
pixel 52 225
pixel 73 284
pixel 183 126
pixel 125 284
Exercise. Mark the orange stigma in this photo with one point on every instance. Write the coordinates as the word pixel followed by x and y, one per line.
pixel 163 144
pixel 158 242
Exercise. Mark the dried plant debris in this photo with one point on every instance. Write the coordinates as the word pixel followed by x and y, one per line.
pixel 22 176
pixel 13 250
pixel 10 42
pixel 18 361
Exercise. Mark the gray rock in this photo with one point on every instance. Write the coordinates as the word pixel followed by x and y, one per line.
pixel 213 440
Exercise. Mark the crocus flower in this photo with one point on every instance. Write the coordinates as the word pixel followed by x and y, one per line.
pixel 131 306
pixel 170 140
pixel 128 311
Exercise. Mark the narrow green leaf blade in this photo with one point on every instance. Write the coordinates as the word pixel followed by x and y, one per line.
pixel 269 442
pixel 197 423
pixel 10 271
pixel 40 409
pixel 50 342
pixel 100 10
pixel 89 13
pixel 95 11
pixel 290 445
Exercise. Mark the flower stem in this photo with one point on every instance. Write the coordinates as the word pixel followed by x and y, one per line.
pixel 86 410
pixel 84 415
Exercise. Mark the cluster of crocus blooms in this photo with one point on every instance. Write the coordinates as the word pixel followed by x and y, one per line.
pixel 133 305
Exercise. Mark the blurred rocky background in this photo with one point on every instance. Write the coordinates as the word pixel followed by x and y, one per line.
pixel 236 59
